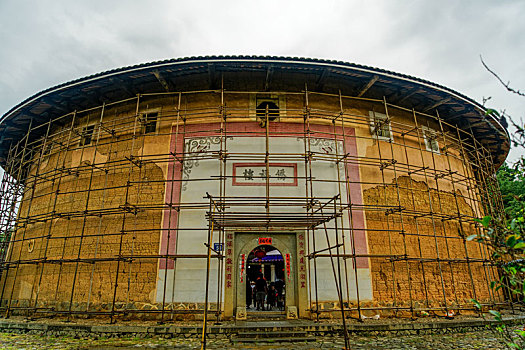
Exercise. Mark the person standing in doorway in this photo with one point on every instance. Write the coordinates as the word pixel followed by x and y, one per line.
pixel 272 296
pixel 261 288
pixel 248 295
pixel 279 287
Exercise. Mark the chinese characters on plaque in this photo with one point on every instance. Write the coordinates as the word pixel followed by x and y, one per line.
pixel 255 174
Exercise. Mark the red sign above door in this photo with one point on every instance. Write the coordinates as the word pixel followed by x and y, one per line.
pixel 265 240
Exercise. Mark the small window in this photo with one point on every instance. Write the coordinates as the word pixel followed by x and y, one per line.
pixel 150 123
pixel 430 137
pixel 380 126
pixel 267 104
pixel 87 135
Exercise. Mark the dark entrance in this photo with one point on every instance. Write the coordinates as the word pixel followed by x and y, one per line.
pixel 267 262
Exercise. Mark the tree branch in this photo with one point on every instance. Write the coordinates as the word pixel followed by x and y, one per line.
pixel 506 85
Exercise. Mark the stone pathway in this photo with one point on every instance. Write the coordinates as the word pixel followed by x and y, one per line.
pixel 473 340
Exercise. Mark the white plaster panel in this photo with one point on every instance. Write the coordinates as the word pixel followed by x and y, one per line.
pixel 190 273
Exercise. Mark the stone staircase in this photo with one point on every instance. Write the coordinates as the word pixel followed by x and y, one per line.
pixel 274 336
pixel 268 330
pixel 265 315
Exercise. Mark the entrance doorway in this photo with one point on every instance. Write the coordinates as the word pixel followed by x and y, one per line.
pixel 269 250
pixel 265 273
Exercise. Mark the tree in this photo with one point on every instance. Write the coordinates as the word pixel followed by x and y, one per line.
pixel 506 236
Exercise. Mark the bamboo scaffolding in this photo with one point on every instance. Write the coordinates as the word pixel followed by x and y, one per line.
pixel 77 199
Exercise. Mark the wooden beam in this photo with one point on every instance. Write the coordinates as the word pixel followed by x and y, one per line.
pixel 211 76
pixel 437 104
pixel 122 86
pixel 485 132
pixel 45 118
pixel 414 91
pixel 9 135
pixel 35 116
pixel 55 104
pixel 320 82
pixel 456 116
pixel 269 74
pixel 368 85
pixel 161 80
pixel 479 122
pixel 10 124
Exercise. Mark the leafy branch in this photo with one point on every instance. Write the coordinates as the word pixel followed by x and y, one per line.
pixel 505 236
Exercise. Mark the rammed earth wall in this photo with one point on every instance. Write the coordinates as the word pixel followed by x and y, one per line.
pixel 94 221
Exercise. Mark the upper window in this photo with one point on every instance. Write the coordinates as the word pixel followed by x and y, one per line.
pixel 87 135
pixel 150 122
pixel 267 107
pixel 380 126
pixel 431 141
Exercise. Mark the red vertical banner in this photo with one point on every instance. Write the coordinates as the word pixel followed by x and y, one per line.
pixel 229 260
pixel 242 264
pixel 301 261
pixel 288 272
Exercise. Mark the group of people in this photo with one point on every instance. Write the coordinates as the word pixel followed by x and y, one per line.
pixel 260 293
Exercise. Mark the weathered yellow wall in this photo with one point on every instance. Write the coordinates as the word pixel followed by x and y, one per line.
pixel 427 237
pixel 60 239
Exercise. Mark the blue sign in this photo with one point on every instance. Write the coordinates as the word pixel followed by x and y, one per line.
pixel 219 247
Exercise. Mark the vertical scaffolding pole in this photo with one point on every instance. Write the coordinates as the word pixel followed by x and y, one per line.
pixel 341 302
pixel 335 270
pixel 349 200
pixel 55 201
pixel 180 159
pixel 223 156
pixel 437 176
pixel 141 164
pixel 403 231
pixel 210 239
pixel 86 207
pixel 10 197
pixel 432 213
pixel 458 211
pixel 43 154
pixel 125 208
pixel 418 236
pixel 68 215
pixel 174 159
pixel 309 190
pixel 378 125
pixel 338 177
pixel 106 169
pixel 25 219
pixel 482 193
pixel 471 188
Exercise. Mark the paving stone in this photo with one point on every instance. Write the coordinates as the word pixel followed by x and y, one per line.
pixel 435 334
pixel 471 340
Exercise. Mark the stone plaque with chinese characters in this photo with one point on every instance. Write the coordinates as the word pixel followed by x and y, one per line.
pixel 255 174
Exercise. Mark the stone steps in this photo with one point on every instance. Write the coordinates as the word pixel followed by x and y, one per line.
pixel 279 336
pixel 265 315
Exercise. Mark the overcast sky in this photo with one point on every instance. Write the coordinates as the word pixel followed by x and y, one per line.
pixel 44 43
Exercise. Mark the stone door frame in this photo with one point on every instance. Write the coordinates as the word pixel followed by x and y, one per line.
pixel 286 243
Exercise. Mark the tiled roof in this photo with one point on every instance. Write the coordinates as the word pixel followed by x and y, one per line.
pixel 183 74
